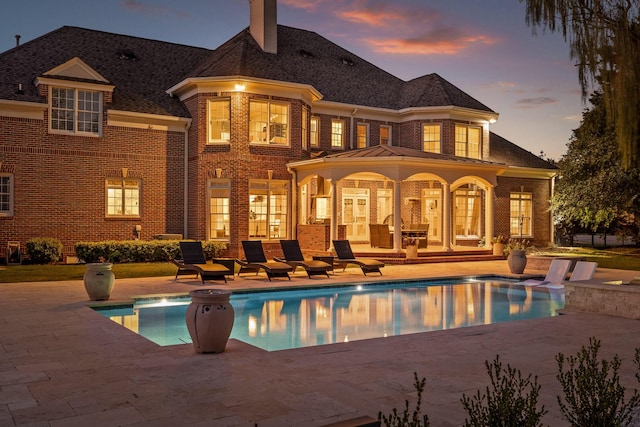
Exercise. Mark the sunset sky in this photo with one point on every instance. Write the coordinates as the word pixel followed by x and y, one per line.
pixel 484 47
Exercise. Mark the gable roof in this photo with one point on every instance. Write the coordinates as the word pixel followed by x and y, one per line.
pixel 504 151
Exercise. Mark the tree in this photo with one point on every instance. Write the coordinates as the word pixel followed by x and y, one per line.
pixel 593 190
pixel 604 38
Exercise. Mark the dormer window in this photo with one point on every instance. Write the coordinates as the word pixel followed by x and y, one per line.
pixel 75 111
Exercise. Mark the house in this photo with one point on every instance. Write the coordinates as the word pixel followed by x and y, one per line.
pixel 276 134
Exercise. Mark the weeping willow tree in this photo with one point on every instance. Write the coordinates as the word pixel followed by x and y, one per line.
pixel 604 39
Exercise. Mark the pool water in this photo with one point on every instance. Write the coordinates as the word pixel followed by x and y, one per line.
pixel 285 319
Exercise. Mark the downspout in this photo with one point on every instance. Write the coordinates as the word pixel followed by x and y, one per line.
pixel 293 232
pixel 185 194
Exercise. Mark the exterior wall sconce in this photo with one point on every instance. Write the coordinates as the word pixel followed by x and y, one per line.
pixel 218 173
pixel 270 173
pixel 240 87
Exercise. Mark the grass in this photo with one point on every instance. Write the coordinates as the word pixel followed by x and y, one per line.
pixel 623 258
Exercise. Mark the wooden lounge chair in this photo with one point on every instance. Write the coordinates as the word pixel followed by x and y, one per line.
pixel 256 261
pixel 293 256
pixel 194 261
pixel 345 256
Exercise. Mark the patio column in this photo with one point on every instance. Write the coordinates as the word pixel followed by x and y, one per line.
pixel 488 216
pixel 446 217
pixel 333 232
pixel 397 217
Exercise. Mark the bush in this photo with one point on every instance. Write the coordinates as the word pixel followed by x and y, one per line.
pixel 593 395
pixel 139 251
pixel 44 250
pixel 507 402
pixel 408 419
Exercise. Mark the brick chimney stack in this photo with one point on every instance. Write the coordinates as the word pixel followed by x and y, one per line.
pixel 264 24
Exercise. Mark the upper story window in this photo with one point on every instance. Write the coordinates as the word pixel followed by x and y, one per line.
pixel 468 141
pixel 385 135
pixel 75 111
pixel 6 194
pixel 305 133
pixel 219 116
pixel 337 133
pixel 123 197
pixel 314 132
pixel 431 138
pixel 268 122
pixel 521 209
pixel 362 135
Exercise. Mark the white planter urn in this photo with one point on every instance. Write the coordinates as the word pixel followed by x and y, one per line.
pixel 99 280
pixel 209 319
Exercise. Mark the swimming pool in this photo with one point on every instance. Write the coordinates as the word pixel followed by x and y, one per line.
pixel 285 319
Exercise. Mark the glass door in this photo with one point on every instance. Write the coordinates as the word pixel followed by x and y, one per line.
pixel 355 213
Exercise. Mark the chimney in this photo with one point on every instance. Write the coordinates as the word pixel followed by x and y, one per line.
pixel 264 24
pixel 17 40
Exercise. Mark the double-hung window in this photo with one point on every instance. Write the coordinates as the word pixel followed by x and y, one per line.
pixel 268 122
pixel 468 141
pixel 431 138
pixel 385 135
pixel 219 212
pixel 219 115
pixel 305 133
pixel 520 208
pixel 268 209
pixel 362 135
pixel 123 197
pixel 314 132
pixel 6 194
pixel 337 133
pixel 75 111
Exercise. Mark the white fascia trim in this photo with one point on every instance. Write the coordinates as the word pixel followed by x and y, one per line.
pixel 195 85
pixel 136 120
pixel 74 84
pixel 522 172
pixel 22 109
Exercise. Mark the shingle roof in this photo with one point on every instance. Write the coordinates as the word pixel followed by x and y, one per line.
pixel 504 151
pixel 140 82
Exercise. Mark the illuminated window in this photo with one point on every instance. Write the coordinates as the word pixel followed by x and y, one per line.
pixel 268 208
pixel 385 135
pixel 431 138
pixel 468 141
pixel 219 214
pixel 314 132
pixel 362 136
pixel 467 212
pixel 75 111
pixel 337 133
pixel 6 194
pixel 520 208
pixel 305 133
pixel 123 197
pixel 219 113
pixel 268 122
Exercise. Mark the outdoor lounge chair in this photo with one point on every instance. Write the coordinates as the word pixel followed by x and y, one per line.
pixel 293 256
pixel 583 270
pixel 194 261
pixel 557 272
pixel 256 261
pixel 345 256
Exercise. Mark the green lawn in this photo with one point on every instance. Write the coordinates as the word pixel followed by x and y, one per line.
pixel 620 258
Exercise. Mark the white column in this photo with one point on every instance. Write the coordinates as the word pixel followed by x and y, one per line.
pixel 397 217
pixel 488 217
pixel 333 232
pixel 446 217
pixel 295 196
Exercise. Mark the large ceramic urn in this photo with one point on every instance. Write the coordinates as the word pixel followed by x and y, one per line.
pixel 517 261
pixel 99 280
pixel 209 319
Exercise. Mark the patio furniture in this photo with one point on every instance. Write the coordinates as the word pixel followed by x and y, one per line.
pixel 345 257
pixel 293 256
pixel 256 261
pixel 557 272
pixel 194 262
pixel 584 270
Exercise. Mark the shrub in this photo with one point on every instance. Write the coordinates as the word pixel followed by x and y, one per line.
pixel 407 419
pixel 507 402
pixel 593 395
pixel 139 250
pixel 44 250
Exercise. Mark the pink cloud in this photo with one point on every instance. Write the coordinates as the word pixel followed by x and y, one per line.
pixel 308 5
pixel 435 43
pixel 527 103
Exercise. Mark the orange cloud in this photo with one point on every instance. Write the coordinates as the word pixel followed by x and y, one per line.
pixel 439 44
pixel 308 5
pixel 378 14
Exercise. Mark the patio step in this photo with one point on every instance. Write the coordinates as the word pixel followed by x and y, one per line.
pixel 432 257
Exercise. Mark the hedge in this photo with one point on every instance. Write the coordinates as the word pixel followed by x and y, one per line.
pixel 44 250
pixel 120 251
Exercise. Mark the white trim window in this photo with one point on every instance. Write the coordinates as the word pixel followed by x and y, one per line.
pixel 362 135
pixel 268 122
pixel 431 138
pixel 385 135
pixel 6 194
pixel 268 209
pixel 219 120
pixel 123 197
pixel 468 141
pixel 305 131
pixel 75 111
pixel 467 212
pixel 219 210
pixel 337 133
pixel 520 214
pixel 314 132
